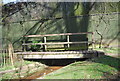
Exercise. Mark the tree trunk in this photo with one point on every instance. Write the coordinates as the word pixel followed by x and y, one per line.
pixel 11 53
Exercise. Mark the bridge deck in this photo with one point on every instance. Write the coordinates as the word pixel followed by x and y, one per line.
pixel 58 55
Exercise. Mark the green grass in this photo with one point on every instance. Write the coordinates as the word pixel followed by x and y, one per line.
pixel 16 64
pixel 109 50
pixel 12 75
pixel 98 68
pixel 9 76
pixel 66 48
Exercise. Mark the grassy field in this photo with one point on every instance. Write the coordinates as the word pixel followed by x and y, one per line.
pixel 109 50
pixel 16 64
pixel 103 67
pixel 98 68
pixel 11 75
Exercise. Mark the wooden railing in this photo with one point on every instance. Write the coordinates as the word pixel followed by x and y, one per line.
pixel 56 43
pixel 58 34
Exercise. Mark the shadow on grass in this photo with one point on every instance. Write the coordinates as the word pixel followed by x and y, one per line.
pixel 108 60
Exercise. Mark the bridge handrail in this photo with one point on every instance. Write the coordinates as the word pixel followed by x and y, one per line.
pixel 45 43
pixel 52 43
pixel 58 34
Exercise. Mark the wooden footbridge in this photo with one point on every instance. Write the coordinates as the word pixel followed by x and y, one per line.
pixel 67 49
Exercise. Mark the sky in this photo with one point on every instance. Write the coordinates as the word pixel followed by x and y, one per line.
pixel 7 1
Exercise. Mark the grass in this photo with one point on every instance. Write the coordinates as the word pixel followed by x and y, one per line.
pixel 109 50
pixel 66 48
pixel 16 64
pixel 24 70
pixel 11 75
pixel 98 68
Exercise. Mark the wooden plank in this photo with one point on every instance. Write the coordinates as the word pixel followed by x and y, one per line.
pixel 56 56
pixel 53 43
pixel 34 53
pixel 58 34
pixel 52 53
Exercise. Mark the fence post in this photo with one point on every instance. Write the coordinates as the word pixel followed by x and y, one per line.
pixel 11 53
pixel 24 47
pixel 45 47
pixel 93 40
pixel 68 40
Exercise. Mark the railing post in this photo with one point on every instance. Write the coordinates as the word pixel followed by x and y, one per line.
pixel 45 47
pixel 92 40
pixel 68 40
pixel 24 46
